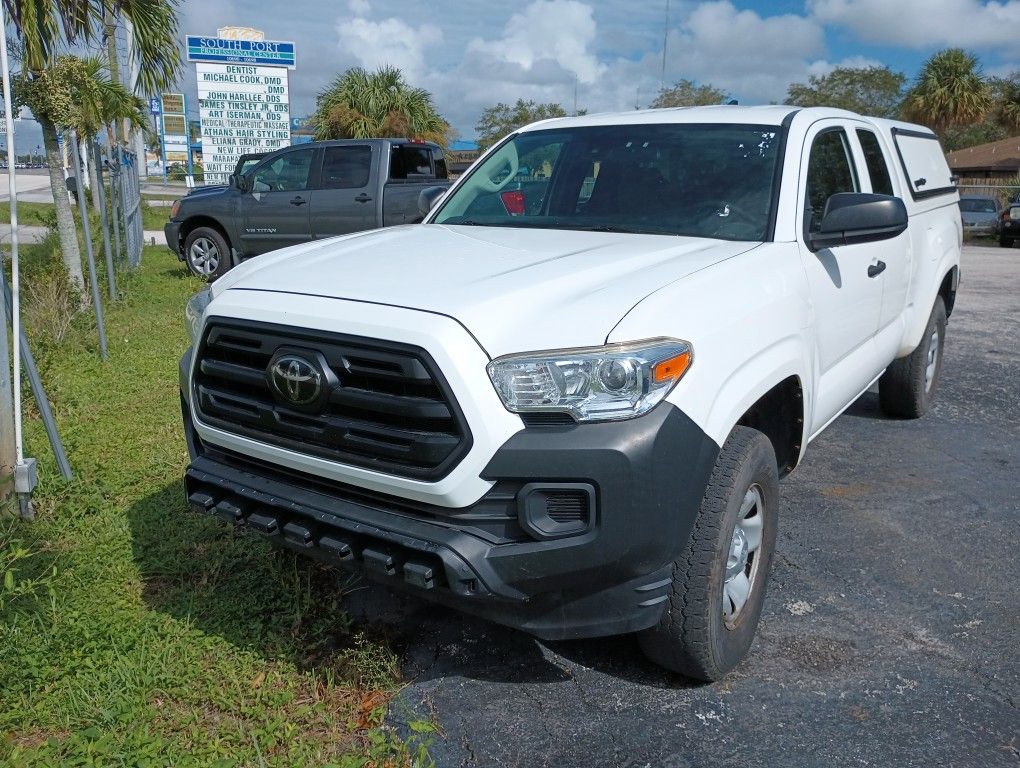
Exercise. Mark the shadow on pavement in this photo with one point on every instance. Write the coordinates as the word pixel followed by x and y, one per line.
pixel 232 584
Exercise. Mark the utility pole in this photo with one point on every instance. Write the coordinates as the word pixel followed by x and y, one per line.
pixel 665 44
pixel 575 94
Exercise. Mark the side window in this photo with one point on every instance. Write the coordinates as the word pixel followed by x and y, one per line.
pixel 440 162
pixel 410 161
pixel 286 173
pixel 346 167
pixel 830 170
pixel 881 184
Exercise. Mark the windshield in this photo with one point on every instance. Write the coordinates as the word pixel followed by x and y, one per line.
pixel 977 205
pixel 698 180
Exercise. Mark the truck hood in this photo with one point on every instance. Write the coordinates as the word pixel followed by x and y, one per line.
pixel 514 289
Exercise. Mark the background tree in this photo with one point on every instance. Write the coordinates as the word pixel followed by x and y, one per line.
pixel 1006 98
pixel 363 105
pixel 687 93
pixel 950 91
pixel 45 27
pixel 875 91
pixel 499 120
pixel 73 94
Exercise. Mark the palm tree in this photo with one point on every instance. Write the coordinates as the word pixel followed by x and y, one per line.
pixel 950 91
pixel 361 105
pixel 1007 102
pixel 44 27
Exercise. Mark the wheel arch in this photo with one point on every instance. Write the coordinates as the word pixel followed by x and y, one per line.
pixel 771 393
pixel 194 222
pixel 779 415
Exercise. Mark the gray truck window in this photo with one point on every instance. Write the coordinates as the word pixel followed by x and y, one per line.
pixel 286 173
pixel 410 161
pixel 881 183
pixel 830 170
pixel 702 180
pixel 439 161
pixel 346 167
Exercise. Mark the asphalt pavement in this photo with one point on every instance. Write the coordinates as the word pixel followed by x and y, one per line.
pixel 891 631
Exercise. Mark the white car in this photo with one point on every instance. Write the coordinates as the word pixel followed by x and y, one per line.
pixel 565 400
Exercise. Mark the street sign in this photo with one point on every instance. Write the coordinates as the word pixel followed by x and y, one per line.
pixel 154 107
pixel 219 50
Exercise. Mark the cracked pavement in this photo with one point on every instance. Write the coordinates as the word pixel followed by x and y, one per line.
pixel 890 635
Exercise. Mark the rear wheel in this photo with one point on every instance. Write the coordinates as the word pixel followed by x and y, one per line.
pixel 206 253
pixel 1005 242
pixel 908 386
pixel 719 580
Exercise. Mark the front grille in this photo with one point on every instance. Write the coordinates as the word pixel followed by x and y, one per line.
pixel 385 405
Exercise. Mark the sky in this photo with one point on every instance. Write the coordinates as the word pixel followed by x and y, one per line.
pixel 471 54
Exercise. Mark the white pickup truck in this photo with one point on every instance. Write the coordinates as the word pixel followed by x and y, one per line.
pixel 564 402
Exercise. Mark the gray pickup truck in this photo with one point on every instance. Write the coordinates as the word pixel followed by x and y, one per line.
pixel 302 193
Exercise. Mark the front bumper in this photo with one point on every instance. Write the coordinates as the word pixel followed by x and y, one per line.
pixel 646 476
pixel 172 230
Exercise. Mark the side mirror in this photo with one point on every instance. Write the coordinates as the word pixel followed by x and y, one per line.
pixel 857 217
pixel 428 198
pixel 239 182
pixel 232 180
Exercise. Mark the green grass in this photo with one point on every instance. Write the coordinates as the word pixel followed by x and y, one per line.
pixel 35 214
pixel 28 213
pixel 133 632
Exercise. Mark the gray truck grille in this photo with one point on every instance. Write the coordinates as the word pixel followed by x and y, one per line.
pixel 365 402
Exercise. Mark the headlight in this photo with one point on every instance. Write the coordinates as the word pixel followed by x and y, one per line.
pixel 194 311
pixel 617 381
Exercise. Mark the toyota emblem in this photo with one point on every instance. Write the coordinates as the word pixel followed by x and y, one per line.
pixel 296 380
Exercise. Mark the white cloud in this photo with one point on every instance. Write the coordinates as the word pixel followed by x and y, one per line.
pixel 742 52
pixel 546 32
pixel 389 42
pixel 925 23
pixel 360 7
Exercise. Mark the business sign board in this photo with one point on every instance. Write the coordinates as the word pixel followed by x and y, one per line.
pixel 244 108
pixel 174 125
pixel 221 50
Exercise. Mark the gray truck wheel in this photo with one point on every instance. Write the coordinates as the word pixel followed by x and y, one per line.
pixel 719 579
pixel 908 386
pixel 206 253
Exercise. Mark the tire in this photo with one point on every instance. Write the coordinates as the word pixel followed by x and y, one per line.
pixel 1005 242
pixel 693 637
pixel 207 253
pixel 908 386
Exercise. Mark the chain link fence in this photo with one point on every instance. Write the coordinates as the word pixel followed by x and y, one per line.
pixel 1001 193
pixel 131 206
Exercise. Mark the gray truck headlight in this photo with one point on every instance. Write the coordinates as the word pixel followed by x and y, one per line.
pixel 610 383
pixel 193 312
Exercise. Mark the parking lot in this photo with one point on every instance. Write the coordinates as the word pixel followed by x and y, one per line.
pixel 891 633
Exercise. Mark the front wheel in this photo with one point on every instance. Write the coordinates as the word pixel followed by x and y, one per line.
pixel 908 386
pixel 719 580
pixel 206 253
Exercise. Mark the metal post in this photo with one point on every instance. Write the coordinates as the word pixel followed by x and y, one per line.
pixel 114 218
pixel 97 160
pixel 41 401
pixel 96 300
pixel 24 471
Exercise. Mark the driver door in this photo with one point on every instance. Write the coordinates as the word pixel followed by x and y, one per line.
pixel 845 282
pixel 275 207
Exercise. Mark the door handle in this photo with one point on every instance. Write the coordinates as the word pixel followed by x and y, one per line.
pixel 876 269
pixel 298 201
pixel 363 198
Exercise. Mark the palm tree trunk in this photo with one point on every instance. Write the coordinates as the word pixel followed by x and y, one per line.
pixel 65 219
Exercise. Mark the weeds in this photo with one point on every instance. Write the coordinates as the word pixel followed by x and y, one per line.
pixel 135 633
